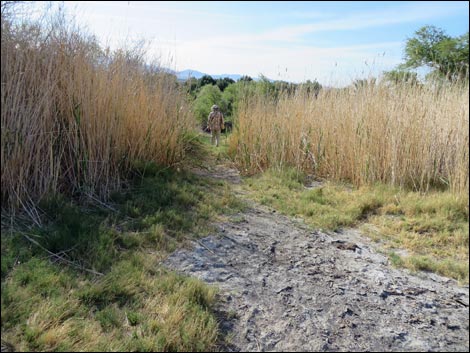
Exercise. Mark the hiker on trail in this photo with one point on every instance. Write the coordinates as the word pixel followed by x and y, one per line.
pixel 216 124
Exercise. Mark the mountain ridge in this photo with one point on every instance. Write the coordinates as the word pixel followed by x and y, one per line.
pixel 185 74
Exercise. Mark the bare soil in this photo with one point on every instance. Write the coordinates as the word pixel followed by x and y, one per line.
pixel 285 287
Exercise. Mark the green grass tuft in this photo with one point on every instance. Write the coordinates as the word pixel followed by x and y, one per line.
pixel 432 227
pixel 135 305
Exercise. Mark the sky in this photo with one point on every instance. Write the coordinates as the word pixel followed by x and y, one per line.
pixel 332 42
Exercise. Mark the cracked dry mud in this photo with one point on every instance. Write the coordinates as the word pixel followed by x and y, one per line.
pixel 284 287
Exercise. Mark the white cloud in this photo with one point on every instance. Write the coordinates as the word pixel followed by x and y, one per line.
pixel 334 66
pixel 220 43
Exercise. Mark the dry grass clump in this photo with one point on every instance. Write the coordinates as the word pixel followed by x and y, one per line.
pixel 76 117
pixel 409 136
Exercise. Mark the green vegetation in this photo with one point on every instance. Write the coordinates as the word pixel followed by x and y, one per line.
pixel 136 306
pixel 227 93
pixel 208 96
pixel 93 147
pixel 217 154
pixel 447 56
pixel 400 76
pixel 431 227
pixel 54 303
pixel 431 47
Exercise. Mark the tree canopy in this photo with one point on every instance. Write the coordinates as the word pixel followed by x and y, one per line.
pixel 447 56
pixel 222 83
pixel 206 80
pixel 401 76
pixel 208 96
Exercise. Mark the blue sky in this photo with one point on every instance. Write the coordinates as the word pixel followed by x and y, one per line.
pixel 333 42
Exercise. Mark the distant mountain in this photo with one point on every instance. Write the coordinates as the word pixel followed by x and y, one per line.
pixel 185 74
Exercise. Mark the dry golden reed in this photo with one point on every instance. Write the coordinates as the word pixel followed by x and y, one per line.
pixel 410 136
pixel 76 117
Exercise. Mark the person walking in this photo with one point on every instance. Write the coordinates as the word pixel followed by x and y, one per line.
pixel 215 122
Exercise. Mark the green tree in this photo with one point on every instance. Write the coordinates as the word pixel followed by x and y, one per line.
pixel 207 96
pixel 206 80
pixel 432 47
pixel 401 77
pixel 230 96
pixel 223 83
pixel 245 78
pixel 266 87
pixel 312 88
pixel 234 94
pixel 191 86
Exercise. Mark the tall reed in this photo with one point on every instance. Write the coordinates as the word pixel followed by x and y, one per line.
pixel 410 136
pixel 76 117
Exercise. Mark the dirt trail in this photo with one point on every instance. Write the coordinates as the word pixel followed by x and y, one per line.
pixel 287 288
